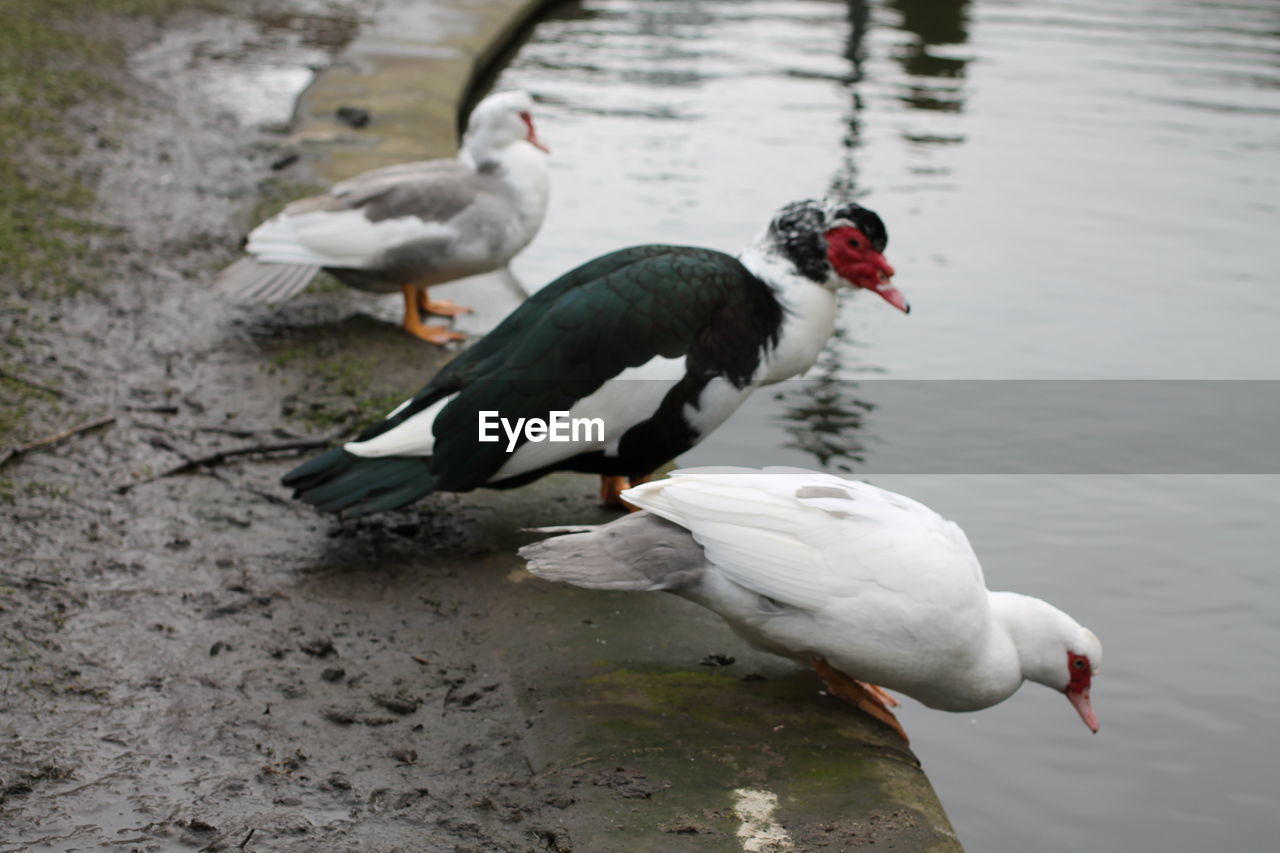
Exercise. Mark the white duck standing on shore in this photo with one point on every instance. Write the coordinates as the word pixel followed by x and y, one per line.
pixel 869 587
pixel 406 227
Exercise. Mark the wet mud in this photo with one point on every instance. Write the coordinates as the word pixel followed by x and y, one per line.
pixel 192 661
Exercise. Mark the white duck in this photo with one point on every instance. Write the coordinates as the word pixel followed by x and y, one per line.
pixel 412 225
pixel 870 587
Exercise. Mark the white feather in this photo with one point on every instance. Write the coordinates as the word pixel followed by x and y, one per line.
pixel 414 437
pixel 630 398
pixel 807 551
pixel 337 238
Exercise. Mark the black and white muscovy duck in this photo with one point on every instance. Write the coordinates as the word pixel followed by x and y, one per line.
pixel 408 226
pixel 869 587
pixel 661 343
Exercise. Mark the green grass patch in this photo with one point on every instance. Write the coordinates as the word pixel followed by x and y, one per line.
pixel 52 58
pixel 55 55
pixel 17 399
pixel 346 398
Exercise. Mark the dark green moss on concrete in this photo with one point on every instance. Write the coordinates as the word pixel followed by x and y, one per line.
pixel 656 744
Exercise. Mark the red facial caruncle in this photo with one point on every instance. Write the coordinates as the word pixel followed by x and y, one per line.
pixel 857 262
pixel 1081 677
pixel 532 138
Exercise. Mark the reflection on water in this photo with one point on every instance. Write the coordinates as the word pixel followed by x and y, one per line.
pixel 936 25
pixel 1072 191
pixel 743 93
pixel 1010 426
pixel 824 415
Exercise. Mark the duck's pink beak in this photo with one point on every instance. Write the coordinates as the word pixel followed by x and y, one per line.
pixel 532 138
pixel 1079 700
pixel 891 294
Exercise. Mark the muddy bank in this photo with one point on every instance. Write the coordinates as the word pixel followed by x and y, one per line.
pixel 194 661
pixel 188 660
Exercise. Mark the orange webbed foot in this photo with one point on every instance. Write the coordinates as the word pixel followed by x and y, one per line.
pixel 413 324
pixel 611 489
pixel 868 698
pixel 442 307
pixel 439 335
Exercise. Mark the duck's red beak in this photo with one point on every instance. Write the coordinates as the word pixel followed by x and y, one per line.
pixel 1079 700
pixel 532 138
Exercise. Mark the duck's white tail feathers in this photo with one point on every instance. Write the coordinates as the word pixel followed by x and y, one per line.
pixel 249 281
pixel 637 553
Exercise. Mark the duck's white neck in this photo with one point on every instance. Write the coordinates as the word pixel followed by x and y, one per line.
pixel 808 319
pixel 994 669
pixel 995 672
pixel 1027 640
pixel 522 168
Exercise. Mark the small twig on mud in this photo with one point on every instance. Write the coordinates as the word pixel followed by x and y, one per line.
pixel 28 581
pixel 215 459
pixel 158 410
pixel 244 433
pixel 22 380
pixel 266 496
pixel 252 830
pixel 15 452
pixel 421 660
pixel 270 498
pixel 234 433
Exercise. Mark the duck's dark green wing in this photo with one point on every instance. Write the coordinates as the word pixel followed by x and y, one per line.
pixel 618 311
pixel 599 288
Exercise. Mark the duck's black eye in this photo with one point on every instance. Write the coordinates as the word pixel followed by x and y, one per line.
pixel 1078 663
pixel 855 242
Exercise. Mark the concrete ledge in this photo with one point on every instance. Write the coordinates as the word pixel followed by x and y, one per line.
pixel 413 68
pixel 656 750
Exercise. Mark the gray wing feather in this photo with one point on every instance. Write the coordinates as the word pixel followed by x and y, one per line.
pixel 435 199
pixel 291 281
pixel 374 178
pixel 637 553
pixel 433 192
pixel 249 280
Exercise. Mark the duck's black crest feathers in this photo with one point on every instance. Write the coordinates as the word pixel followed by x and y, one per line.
pixel 796 231
pixel 866 221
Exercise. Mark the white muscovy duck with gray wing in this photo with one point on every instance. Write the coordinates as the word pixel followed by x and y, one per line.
pixel 870 587
pixel 406 227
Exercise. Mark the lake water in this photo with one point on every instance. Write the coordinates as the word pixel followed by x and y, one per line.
pixel 1073 191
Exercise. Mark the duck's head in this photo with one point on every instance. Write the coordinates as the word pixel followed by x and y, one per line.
pixel 1082 666
pixel 841 243
pixel 1054 649
pixel 498 121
